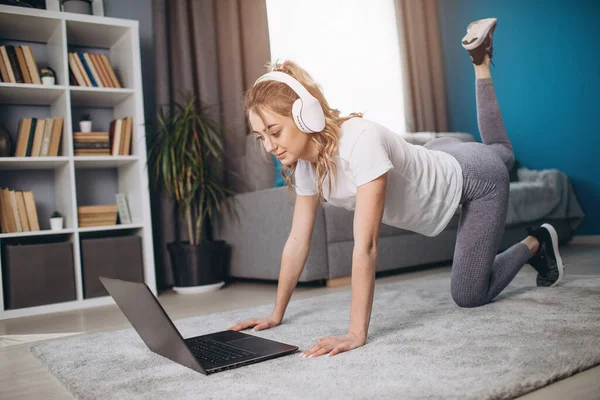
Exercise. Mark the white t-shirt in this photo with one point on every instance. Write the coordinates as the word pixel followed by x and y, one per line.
pixel 423 187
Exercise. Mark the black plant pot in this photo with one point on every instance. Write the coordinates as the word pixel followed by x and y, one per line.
pixel 198 265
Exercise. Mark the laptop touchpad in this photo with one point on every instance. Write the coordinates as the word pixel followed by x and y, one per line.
pixel 253 344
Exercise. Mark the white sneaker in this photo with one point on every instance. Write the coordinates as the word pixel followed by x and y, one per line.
pixel 477 32
pixel 479 38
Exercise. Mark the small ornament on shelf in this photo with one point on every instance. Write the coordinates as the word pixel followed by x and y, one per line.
pixel 86 123
pixel 56 221
pixel 48 76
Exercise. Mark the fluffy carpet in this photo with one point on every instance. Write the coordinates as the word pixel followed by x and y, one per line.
pixel 420 345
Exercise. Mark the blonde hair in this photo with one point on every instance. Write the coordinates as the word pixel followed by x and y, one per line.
pixel 278 97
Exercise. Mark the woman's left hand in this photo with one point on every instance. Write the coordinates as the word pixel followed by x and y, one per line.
pixel 334 345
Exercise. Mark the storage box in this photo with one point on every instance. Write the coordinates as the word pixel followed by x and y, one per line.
pixel 38 274
pixel 114 257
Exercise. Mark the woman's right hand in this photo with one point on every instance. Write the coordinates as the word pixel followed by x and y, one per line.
pixel 257 323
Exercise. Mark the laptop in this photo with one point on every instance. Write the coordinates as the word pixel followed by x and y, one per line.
pixel 206 354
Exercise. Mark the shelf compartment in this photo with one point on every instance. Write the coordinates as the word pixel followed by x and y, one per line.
pixel 52 189
pixel 98 97
pixel 22 93
pixel 95 34
pixel 28 28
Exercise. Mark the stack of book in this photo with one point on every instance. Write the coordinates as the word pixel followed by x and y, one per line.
pixel 17 65
pixel 120 132
pixel 39 137
pixel 97 215
pixel 91 143
pixel 92 70
pixel 17 211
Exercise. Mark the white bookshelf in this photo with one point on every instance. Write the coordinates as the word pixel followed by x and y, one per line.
pixel 52 35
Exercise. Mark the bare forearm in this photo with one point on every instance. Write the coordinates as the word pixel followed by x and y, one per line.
pixel 363 284
pixel 292 264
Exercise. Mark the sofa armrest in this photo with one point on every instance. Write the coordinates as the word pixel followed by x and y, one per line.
pixel 258 235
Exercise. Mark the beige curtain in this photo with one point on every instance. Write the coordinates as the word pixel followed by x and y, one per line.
pixel 217 48
pixel 422 68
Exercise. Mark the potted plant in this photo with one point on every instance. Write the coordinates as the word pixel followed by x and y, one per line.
pixel 77 6
pixel 183 154
pixel 48 77
pixel 56 221
pixel 85 124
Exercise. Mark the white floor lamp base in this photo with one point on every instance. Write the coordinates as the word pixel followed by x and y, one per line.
pixel 198 289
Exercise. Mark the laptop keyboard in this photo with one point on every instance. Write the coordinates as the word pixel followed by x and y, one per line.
pixel 215 352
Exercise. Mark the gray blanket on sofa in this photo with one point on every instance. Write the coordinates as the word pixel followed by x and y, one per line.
pixel 546 194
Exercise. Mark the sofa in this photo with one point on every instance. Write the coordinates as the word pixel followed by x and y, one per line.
pixel 260 226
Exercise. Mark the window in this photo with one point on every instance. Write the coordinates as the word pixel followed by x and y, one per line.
pixel 349 47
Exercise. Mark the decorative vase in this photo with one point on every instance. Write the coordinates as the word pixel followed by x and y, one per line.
pixel 56 223
pixel 77 6
pixel 6 142
pixel 47 80
pixel 85 126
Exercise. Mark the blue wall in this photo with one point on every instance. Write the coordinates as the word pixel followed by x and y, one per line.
pixel 547 80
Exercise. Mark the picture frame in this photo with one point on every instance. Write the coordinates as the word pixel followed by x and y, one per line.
pixel 123 207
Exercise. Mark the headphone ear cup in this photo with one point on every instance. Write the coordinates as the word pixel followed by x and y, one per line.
pixel 308 116
pixel 297 115
pixel 313 116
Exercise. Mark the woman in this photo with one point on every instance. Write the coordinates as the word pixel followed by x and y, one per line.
pixel 362 166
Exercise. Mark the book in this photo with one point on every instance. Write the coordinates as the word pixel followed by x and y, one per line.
pixel 72 80
pixel 118 131
pixel 110 208
pixel 91 145
pixel 4 71
pixel 123 208
pixel 82 70
pixel 92 68
pixel 38 137
pixel 31 65
pixel 3 220
pixel 57 129
pixel 47 137
pixel 6 60
pixel 15 209
pixel 75 70
pixel 8 212
pixel 32 216
pixel 22 211
pixel 23 65
pixel 102 70
pixel 23 137
pixel 14 63
pixel 111 71
pixel 30 137
pixel 87 69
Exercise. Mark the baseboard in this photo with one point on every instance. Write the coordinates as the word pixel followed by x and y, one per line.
pixel 594 239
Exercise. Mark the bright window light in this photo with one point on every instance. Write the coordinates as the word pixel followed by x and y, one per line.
pixel 349 47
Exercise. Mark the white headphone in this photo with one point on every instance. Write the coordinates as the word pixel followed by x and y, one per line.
pixel 306 111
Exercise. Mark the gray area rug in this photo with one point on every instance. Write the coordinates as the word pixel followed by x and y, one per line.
pixel 421 345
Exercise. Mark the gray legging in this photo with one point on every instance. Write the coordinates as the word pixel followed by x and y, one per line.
pixel 478 274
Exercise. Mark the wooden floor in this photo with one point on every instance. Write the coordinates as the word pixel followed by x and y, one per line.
pixel 23 377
